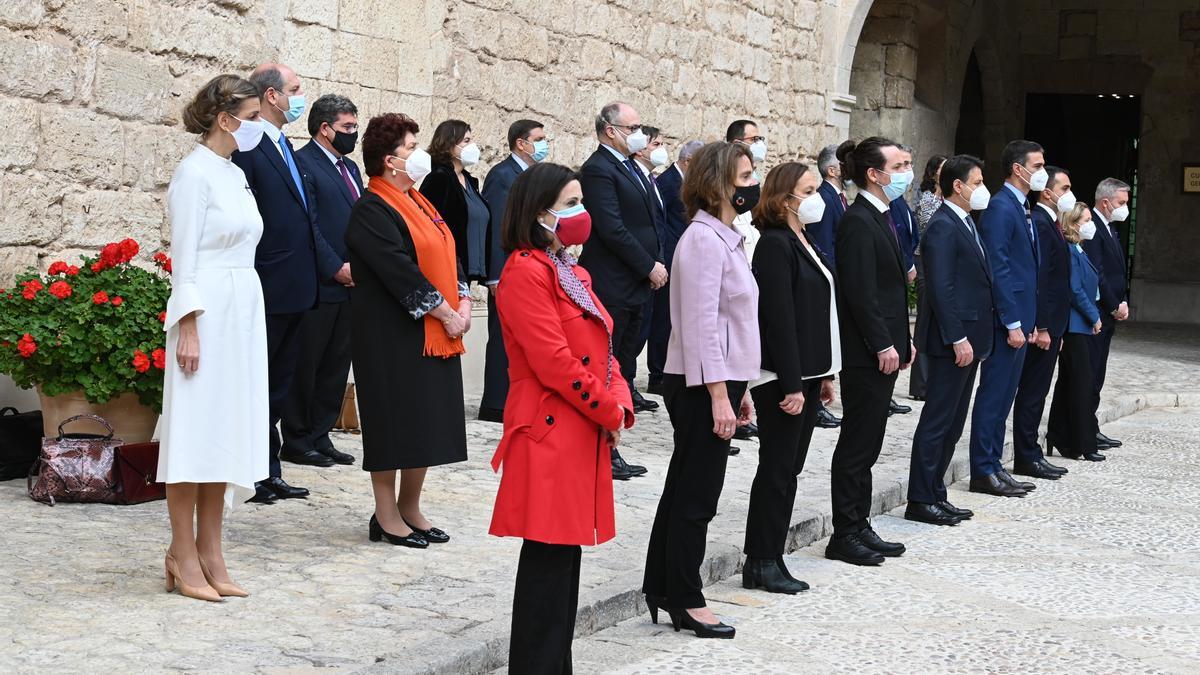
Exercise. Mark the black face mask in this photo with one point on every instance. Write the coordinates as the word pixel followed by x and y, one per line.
pixel 745 197
pixel 344 142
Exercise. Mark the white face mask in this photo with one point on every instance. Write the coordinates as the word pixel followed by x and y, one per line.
pixel 660 157
pixel 758 150
pixel 811 209
pixel 418 165
pixel 1087 230
pixel 248 134
pixel 636 142
pixel 1066 202
pixel 469 156
pixel 1038 179
pixel 979 198
pixel 1120 214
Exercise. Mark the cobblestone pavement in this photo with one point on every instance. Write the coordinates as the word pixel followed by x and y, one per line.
pixel 1097 572
pixel 81 585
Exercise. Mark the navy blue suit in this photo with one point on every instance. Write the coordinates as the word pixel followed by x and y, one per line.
pixel 1053 309
pixel 292 258
pixel 907 231
pixel 958 305
pixel 496 186
pixel 1108 256
pixel 323 366
pixel 1006 230
pixel 670 221
pixel 824 233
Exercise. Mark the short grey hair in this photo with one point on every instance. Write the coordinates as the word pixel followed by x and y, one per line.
pixel 267 78
pixel 608 116
pixel 327 109
pixel 1109 187
pixel 688 149
pixel 827 159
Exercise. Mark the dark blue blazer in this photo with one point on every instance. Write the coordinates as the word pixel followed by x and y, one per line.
pixel 958 289
pixel 1054 275
pixel 332 201
pixel 1013 257
pixel 1085 281
pixel 824 233
pixel 906 230
pixel 1108 256
pixel 496 186
pixel 292 256
pixel 670 186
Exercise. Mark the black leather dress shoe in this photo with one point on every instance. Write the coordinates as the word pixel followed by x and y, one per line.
pixel 887 549
pixel 1035 471
pixel 336 455
pixel 764 573
pixel 1093 457
pixel 306 457
pixel 930 513
pixel 262 495
pixel 827 420
pixel 1108 442
pixel 1007 478
pixel 746 431
pixel 433 535
pixel 621 470
pixel 641 403
pixel 282 490
pixel 491 414
pixel 897 409
pixel 655 388
pixel 851 549
pixel 1052 467
pixel 992 485
pixel 964 514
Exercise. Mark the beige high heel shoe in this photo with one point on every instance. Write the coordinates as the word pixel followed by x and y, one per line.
pixel 229 589
pixel 175 581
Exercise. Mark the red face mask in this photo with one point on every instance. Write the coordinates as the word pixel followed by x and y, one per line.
pixel 573 226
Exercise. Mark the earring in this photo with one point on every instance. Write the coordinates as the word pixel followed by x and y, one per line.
pixel 394 172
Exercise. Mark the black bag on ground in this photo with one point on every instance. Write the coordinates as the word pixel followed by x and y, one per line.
pixel 20 441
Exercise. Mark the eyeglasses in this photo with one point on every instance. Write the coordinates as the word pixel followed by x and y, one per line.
pixel 345 128
pixel 755 139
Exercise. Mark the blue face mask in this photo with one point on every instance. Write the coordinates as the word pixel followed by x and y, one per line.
pixel 899 184
pixel 541 150
pixel 296 106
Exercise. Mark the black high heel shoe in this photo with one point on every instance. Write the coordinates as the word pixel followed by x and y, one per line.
pixel 655 603
pixel 680 618
pixel 376 532
pixel 1092 456
pixel 433 535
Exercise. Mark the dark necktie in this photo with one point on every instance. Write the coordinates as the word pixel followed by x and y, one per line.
pixel 346 177
pixel 887 215
pixel 845 204
pixel 291 165
pixel 637 174
pixel 975 233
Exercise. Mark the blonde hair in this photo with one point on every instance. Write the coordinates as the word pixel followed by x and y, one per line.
pixel 222 94
pixel 1071 221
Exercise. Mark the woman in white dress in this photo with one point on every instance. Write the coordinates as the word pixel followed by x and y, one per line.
pixel 215 398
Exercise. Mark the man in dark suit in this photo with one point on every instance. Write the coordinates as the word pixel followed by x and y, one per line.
pixel 873 317
pixel 1053 311
pixel 834 196
pixel 954 333
pixel 1010 241
pixel 319 387
pixel 1108 257
pixel 647 161
pixel 292 256
pixel 527 145
pixel 670 187
pixel 623 254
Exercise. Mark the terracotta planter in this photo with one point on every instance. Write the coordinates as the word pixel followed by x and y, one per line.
pixel 132 421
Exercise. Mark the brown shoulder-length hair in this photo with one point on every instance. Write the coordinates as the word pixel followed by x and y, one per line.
pixel 1072 221
pixel 710 176
pixel 446 136
pixel 772 205
pixel 534 191
pixel 383 135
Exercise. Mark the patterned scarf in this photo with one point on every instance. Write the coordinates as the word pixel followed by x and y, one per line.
pixel 573 287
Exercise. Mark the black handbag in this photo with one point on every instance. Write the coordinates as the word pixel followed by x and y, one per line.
pixel 20 441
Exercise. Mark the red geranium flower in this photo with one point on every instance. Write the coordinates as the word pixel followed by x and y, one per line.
pixel 159 357
pixel 167 266
pixel 61 290
pixel 129 249
pixel 110 255
pixel 57 267
pixel 72 270
pixel 27 346
pixel 99 298
pixel 141 362
pixel 162 316
pixel 117 300
pixel 29 289
pixel 160 258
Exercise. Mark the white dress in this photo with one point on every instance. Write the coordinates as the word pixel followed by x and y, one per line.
pixel 214 421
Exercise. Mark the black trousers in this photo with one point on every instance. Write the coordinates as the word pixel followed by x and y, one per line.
pixel 656 332
pixel 1032 392
pixel 319 386
pixel 626 337
pixel 690 494
pixel 283 351
pixel 1099 346
pixel 783 446
pixel 866 393
pixel 940 428
pixel 495 367
pixel 919 375
pixel 1072 423
pixel 545 602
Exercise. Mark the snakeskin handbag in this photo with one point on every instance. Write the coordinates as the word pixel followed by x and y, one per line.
pixel 76 467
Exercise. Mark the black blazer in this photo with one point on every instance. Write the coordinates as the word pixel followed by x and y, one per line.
pixel 873 298
pixel 1054 275
pixel 958 289
pixel 793 308
pixel 442 189
pixel 1108 257
pixel 332 201
pixel 624 243
pixel 670 186
pixel 292 256
pixel 496 186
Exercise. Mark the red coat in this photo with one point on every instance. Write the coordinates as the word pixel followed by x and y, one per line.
pixel 556 487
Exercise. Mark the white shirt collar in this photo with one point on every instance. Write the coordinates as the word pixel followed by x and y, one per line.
pixel 1053 215
pixel 520 162
pixel 875 201
pixel 620 158
pixel 273 132
pixel 676 165
pixel 642 167
pixel 1099 215
pixel 332 157
pixel 834 186
pixel 962 215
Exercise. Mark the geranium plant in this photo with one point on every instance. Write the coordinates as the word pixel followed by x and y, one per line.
pixel 96 327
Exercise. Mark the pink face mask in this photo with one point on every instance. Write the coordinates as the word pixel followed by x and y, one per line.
pixel 573 226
